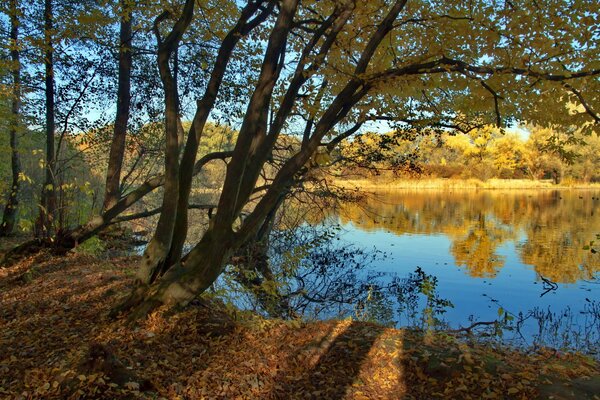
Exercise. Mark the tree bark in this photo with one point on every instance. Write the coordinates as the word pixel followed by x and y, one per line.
pixel 205 105
pixel 45 223
pixel 117 148
pixel 206 260
pixel 10 210
pixel 158 249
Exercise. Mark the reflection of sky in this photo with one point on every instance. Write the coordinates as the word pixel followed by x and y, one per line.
pixel 515 286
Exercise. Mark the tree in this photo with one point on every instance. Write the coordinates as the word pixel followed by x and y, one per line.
pixel 117 148
pixel 326 69
pixel 10 209
pixel 44 226
pixel 328 66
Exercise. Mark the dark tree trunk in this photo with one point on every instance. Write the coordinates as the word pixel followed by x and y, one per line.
pixel 201 267
pixel 117 148
pixel 205 105
pixel 10 210
pixel 45 223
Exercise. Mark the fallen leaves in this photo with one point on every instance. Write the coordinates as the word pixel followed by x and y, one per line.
pixel 50 325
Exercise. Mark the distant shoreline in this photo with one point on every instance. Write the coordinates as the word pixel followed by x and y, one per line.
pixel 441 183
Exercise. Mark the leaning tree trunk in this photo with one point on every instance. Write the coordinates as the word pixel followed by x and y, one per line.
pixel 10 210
pixel 201 267
pixel 117 148
pixel 45 221
pixel 205 105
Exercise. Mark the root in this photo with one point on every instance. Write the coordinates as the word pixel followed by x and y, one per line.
pixel 142 311
pixel 135 298
pixel 138 305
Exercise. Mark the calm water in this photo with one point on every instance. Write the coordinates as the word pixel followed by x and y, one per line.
pixel 489 249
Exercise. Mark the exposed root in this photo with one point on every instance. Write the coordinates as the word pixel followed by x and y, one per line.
pixel 135 298
pixel 144 309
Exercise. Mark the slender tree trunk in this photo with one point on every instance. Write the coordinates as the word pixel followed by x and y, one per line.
pixel 157 251
pixel 117 148
pixel 10 210
pixel 202 266
pixel 48 198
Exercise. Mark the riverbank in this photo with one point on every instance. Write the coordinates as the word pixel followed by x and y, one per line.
pixel 57 342
pixel 451 184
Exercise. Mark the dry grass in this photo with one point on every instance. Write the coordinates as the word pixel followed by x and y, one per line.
pixel 443 184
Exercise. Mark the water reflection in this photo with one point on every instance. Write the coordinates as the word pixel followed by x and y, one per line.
pixel 549 229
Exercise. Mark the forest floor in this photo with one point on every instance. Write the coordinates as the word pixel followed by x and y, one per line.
pixel 56 341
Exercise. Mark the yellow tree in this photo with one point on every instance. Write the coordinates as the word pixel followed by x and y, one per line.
pixel 508 153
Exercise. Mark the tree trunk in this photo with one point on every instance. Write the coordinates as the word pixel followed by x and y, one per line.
pixel 157 251
pixel 10 210
pixel 205 105
pixel 206 260
pixel 183 281
pixel 45 223
pixel 117 148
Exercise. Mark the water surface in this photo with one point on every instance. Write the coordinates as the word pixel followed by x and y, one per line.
pixel 489 249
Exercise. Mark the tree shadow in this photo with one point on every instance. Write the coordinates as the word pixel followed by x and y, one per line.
pixel 201 352
pixel 336 370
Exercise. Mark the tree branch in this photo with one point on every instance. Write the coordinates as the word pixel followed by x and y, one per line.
pixel 581 99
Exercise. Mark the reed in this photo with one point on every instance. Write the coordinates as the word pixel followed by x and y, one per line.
pixel 441 184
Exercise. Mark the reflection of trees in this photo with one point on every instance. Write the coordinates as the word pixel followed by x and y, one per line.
pixel 556 226
pixel 477 249
pixel 556 237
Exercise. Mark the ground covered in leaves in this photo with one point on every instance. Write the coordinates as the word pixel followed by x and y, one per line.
pixel 56 341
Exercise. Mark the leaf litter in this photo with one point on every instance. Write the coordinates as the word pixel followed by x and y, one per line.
pixel 57 342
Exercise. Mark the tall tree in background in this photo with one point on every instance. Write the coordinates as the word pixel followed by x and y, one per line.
pixel 10 209
pixel 117 148
pixel 47 214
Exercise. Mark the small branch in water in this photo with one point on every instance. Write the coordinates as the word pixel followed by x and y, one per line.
pixel 469 329
pixel 549 285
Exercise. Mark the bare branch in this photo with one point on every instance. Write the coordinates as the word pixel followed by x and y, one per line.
pixel 149 213
pixel 496 105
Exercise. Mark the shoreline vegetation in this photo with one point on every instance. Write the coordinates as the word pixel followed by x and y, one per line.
pixel 387 184
pixel 58 342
